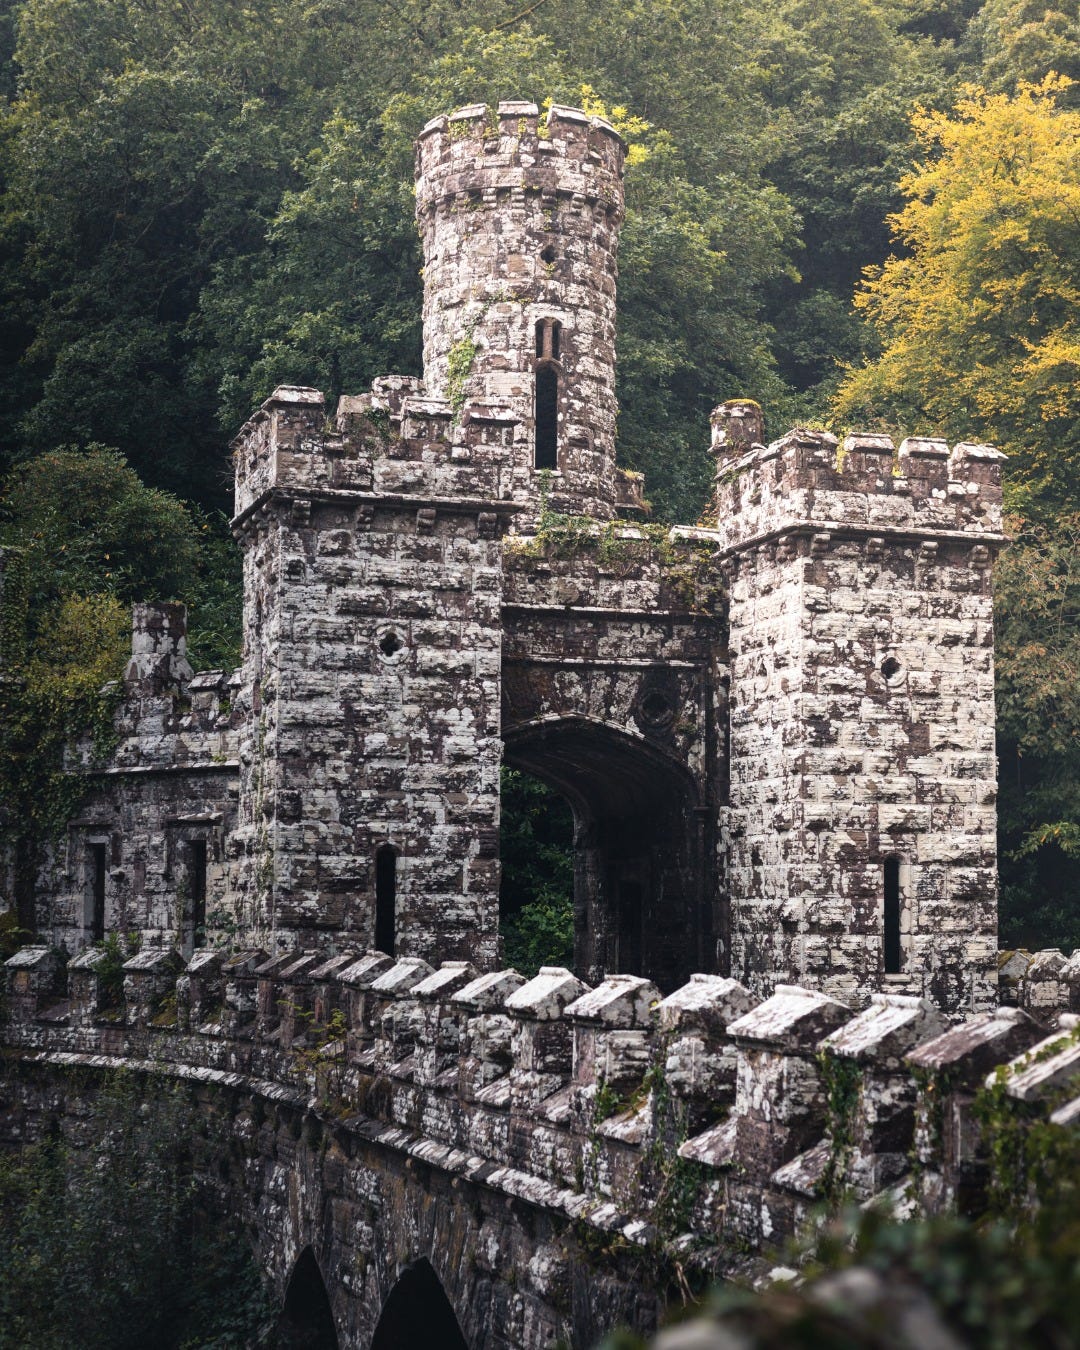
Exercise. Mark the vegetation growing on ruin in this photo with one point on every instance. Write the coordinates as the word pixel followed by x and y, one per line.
pixel 82 538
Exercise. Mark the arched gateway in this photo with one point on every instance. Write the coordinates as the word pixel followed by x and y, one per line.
pixel 641 847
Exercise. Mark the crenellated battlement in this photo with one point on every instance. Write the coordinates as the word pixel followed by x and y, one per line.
pixel 810 482
pixel 578 1100
pixel 513 147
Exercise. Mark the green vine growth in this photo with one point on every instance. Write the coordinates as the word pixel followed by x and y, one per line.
pixel 459 364
pixel 842 1081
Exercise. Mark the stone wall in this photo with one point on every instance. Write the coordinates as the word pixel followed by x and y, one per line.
pixel 520 217
pixel 170 782
pixel 557 1152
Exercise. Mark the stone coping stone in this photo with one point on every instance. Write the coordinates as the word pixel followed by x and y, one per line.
pixel 545 997
pixel 1013 963
pixel 363 973
pixel 707 1004
pixel 888 1029
pixel 489 992
pixel 978 1044
pixel 154 959
pixel 1047 963
pixel 1067 1115
pixel 619 1001
pixel 793 1019
pixel 274 965
pixel 496 1095
pixel 29 958
pixel 205 961
pixel 332 968
pixel 631 1127
pixel 88 959
pixel 402 976
pixel 301 968
pixel 803 1175
pixel 296 393
pixel 245 962
pixel 446 981
pixel 1046 1065
pixel 715 1147
pixel 207 679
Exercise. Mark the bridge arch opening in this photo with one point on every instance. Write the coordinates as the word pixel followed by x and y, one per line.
pixel 642 877
pixel 306 1321
pixel 417 1315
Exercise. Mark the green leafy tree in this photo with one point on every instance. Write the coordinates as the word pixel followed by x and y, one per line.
pixel 977 315
pixel 536 900
pixel 81 537
pixel 120 1245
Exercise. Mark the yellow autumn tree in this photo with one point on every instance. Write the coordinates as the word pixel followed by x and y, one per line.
pixel 978 310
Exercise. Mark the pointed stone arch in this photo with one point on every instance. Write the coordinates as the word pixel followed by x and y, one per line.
pixel 417 1315
pixel 306 1321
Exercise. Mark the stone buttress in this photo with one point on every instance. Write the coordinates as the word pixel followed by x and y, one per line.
pixel 861 829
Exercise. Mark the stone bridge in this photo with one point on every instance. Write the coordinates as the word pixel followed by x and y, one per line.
pixel 435 1157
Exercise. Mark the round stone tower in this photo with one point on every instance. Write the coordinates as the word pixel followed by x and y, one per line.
pixel 520 221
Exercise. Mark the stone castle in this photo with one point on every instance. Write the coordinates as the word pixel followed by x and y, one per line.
pixel 776 733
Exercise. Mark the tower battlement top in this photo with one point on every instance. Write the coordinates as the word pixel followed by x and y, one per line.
pixel 478 149
pixel 864 482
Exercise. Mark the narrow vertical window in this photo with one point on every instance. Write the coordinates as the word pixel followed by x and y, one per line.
pixel 892 916
pixel 98 863
pixel 546 455
pixel 197 883
pixel 385 899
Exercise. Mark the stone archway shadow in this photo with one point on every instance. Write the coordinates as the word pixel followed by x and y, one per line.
pixel 417 1315
pixel 642 870
pixel 306 1321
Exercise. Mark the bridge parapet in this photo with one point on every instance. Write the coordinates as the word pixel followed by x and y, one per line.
pixel 707 1113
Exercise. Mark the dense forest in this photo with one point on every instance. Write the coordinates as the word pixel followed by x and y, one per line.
pixel 860 212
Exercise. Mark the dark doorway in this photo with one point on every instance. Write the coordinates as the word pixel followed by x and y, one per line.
pixel 417 1314
pixel 306 1321
pixel 643 895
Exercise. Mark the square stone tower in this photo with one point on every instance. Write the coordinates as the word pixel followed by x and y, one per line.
pixel 862 817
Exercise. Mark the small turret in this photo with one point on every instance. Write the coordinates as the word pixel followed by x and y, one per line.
pixel 520 217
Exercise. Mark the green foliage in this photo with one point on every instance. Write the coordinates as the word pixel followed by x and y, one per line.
pixel 87 524
pixel 119 1245
pixel 841 1079
pixel 459 363
pixel 536 897
pixel 1037 623
pixel 976 313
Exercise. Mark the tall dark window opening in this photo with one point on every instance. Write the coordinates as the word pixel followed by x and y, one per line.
pixel 892 916
pixel 197 884
pixel 98 864
pixel 385 899
pixel 546 454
